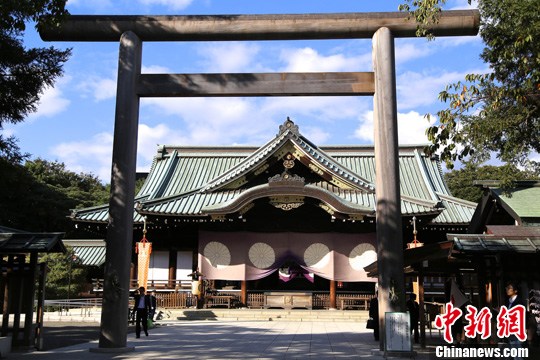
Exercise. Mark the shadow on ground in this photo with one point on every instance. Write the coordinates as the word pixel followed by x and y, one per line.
pixel 61 334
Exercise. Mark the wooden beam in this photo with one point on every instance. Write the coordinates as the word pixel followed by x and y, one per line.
pixel 254 27
pixel 256 84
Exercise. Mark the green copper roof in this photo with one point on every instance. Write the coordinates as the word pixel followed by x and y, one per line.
pixel 194 181
pixel 523 200
pixel 88 252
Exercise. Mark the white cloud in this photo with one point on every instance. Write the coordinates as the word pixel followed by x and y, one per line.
pixel 169 4
pixel 407 50
pixel 315 134
pixel 308 59
pixel 229 57
pixel 155 69
pixel 463 4
pixel 148 139
pixel 411 128
pixel 93 155
pixel 99 88
pixel 420 89
pixel 211 121
pixel 323 108
pixel 52 101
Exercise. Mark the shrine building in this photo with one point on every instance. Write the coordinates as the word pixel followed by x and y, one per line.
pixel 286 216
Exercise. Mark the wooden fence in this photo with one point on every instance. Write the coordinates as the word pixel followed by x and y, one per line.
pixel 321 300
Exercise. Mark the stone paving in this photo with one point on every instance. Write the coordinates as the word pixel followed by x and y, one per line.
pixel 236 340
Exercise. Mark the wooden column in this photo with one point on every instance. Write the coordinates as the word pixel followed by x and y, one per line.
pixel 422 313
pixel 6 306
pixel 40 305
pixel 333 294
pixel 388 208
pixel 481 281
pixel 172 268
pixel 243 292
pixel 29 292
pixel 114 315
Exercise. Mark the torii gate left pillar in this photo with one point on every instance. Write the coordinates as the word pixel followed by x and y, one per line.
pixel 114 315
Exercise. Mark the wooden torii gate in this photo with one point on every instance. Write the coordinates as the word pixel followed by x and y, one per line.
pixel 131 31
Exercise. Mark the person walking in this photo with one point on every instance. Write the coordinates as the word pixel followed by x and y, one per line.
pixel 142 307
pixel 414 313
pixel 153 305
pixel 514 299
pixel 374 314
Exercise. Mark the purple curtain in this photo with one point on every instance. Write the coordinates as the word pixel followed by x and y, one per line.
pixel 251 256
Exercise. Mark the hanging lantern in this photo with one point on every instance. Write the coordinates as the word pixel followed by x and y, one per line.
pixel 415 243
pixel 143 249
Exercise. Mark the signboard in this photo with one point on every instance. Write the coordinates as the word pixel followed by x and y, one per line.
pixel 398 331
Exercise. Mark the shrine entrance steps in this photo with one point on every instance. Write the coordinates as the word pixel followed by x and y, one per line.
pixel 267 315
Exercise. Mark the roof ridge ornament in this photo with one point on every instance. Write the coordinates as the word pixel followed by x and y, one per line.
pixel 290 126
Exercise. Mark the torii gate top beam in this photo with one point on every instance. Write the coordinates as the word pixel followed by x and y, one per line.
pixel 255 27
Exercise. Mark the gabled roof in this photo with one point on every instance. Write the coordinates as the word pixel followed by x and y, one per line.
pixel 199 181
pixel 24 242
pixel 521 203
pixel 289 140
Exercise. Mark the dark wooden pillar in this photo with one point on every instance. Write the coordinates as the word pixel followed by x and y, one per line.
pixel 243 292
pixel 422 313
pixel 172 269
pixel 6 306
pixel 388 208
pixel 29 292
pixel 333 294
pixel 114 315
pixel 482 283
pixel 40 305
pixel 133 272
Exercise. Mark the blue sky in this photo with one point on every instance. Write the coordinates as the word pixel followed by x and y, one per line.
pixel 74 122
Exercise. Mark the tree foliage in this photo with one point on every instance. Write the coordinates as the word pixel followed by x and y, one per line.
pixel 39 195
pixel 66 278
pixel 461 182
pixel 26 72
pixel 496 113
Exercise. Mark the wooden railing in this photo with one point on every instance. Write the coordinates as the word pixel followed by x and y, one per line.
pixel 97 284
pixel 179 296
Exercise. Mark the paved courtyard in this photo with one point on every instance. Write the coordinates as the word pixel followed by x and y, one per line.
pixel 235 340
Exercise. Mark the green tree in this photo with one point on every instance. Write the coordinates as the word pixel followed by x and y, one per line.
pixel 496 113
pixel 461 182
pixel 26 72
pixel 66 278
pixel 39 195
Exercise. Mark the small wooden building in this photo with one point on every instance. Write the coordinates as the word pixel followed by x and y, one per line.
pixel 23 283
pixel 503 241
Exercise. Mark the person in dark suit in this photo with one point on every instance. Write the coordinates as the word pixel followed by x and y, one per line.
pixel 374 314
pixel 153 305
pixel 142 307
pixel 414 313
pixel 514 299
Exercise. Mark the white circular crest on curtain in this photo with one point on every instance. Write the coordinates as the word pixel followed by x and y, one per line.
pixel 262 255
pixel 217 254
pixel 362 255
pixel 317 255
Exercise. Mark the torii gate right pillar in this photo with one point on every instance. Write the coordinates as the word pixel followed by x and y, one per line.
pixel 388 209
